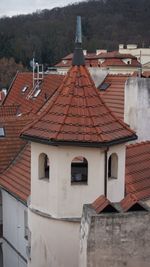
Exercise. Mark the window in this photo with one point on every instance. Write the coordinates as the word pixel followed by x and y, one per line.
pixel 2 132
pixel 44 166
pixel 113 166
pixel 24 89
pixel 103 86
pixel 79 170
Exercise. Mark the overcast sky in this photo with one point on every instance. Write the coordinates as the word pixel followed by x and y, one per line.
pixel 15 7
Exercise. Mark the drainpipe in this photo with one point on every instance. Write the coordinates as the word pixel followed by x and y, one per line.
pixel 105 172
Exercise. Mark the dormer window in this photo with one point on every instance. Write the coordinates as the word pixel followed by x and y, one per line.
pixel 37 89
pixel 2 132
pixel 24 89
pixel 79 170
pixel 113 166
pixel 44 166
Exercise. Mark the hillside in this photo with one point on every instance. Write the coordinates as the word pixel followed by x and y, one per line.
pixel 50 33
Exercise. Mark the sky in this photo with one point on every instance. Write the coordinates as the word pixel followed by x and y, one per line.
pixel 16 7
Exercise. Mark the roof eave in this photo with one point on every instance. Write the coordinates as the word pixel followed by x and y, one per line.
pixel 53 142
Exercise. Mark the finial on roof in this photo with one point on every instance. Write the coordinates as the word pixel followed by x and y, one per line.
pixel 78 57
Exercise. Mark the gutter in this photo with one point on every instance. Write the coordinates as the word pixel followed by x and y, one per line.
pixel 54 142
pixel 105 171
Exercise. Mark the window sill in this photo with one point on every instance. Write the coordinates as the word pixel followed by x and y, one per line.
pixel 112 178
pixel 79 183
pixel 44 179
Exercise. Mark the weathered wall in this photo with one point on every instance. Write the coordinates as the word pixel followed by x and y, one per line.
pixel 54 243
pixel 137 106
pixel 13 231
pixel 115 240
pixel 58 197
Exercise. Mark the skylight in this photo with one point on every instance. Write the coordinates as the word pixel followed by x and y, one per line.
pixel 103 86
pixel 24 88
pixel 2 133
pixel 37 92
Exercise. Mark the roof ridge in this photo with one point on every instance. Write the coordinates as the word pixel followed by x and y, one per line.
pixel 138 144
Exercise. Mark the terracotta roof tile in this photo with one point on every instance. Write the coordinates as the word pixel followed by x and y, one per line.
pixel 103 204
pixel 113 58
pixel 16 178
pixel 113 96
pixel 10 143
pixel 138 170
pixel 27 104
pixel 76 113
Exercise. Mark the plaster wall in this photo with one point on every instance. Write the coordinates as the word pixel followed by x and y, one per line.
pixel 137 106
pixel 11 258
pixel 116 187
pixel 13 225
pixel 116 240
pixel 58 197
pixel 54 243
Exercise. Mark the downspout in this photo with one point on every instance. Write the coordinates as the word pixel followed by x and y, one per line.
pixel 105 171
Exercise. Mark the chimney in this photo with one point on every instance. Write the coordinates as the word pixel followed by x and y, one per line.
pixel 99 51
pixel 121 46
pixel 84 52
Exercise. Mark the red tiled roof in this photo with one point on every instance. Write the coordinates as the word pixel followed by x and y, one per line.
pixel 138 170
pixel 102 203
pixel 16 179
pixel 115 54
pixel 113 96
pixel 111 59
pixel 27 104
pixel 76 113
pixel 128 202
pixel 8 111
pixel 11 144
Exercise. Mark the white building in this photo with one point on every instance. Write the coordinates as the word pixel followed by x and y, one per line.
pixel 15 189
pixel 77 154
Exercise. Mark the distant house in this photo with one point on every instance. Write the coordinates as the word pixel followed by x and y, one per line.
pixel 112 62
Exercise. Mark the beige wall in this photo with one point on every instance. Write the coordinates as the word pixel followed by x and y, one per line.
pixel 61 199
pixel 54 243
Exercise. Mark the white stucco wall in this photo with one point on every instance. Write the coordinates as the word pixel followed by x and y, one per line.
pixel 58 197
pixel 53 243
pixel 13 228
pixel 116 187
pixel 137 106
pixel 140 53
pixel 11 258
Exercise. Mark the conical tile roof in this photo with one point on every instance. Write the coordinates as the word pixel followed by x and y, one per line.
pixel 76 114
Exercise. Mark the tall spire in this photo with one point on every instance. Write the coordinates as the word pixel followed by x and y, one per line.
pixel 78 57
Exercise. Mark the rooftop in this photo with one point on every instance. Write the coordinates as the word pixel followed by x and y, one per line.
pixel 138 170
pixel 77 114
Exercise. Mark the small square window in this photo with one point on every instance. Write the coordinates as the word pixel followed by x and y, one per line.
pixel 2 132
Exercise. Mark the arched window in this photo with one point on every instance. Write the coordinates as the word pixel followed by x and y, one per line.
pixel 113 166
pixel 79 170
pixel 44 166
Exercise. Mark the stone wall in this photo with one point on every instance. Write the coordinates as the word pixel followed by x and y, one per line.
pixel 115 239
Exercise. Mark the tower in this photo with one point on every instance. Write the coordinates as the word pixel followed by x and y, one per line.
pixel 77 154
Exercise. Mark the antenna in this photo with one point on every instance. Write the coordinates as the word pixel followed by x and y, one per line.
pixel 78 57
pixel 38 74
